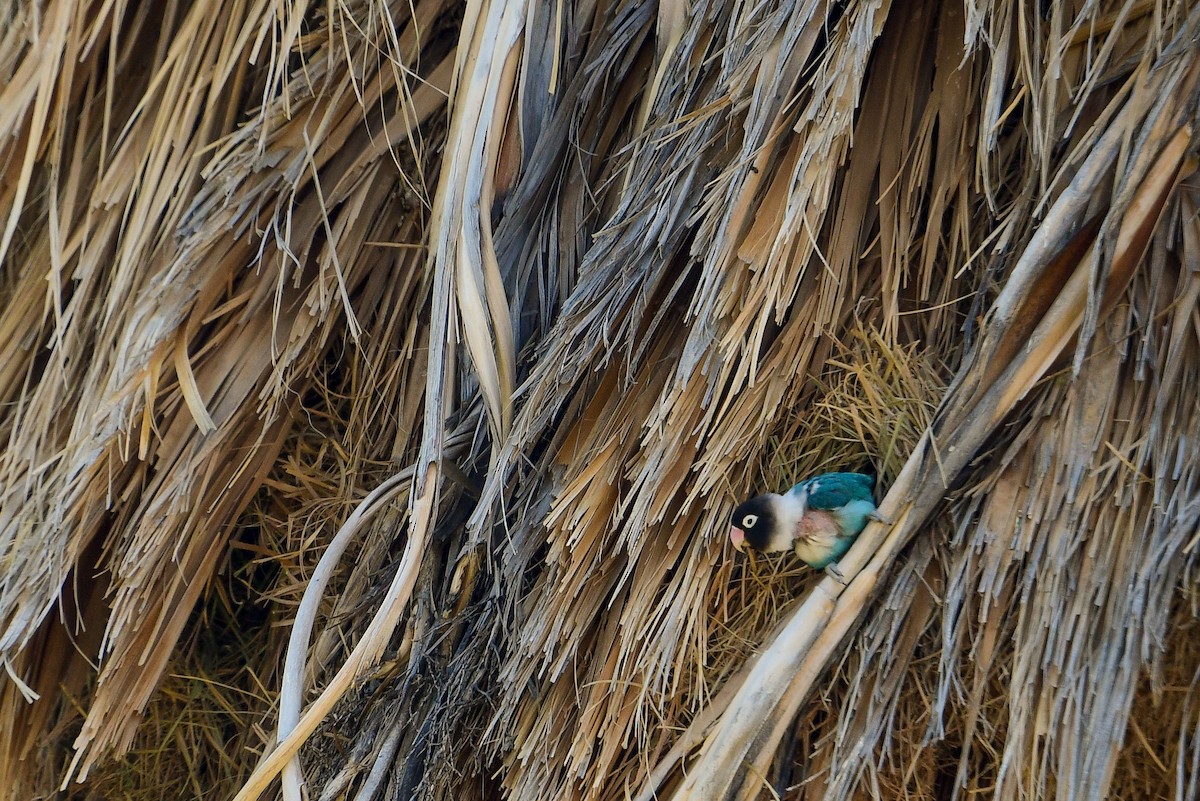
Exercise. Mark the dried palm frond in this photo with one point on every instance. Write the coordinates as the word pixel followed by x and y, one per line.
pixel 203 255
pixel 426 347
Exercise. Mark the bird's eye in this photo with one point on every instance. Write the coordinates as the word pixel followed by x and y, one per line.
pixel 749 520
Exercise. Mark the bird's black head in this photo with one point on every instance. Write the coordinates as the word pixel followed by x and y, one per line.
pixel 753 523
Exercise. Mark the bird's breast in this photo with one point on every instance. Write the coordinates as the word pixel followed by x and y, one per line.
pixel 817 538
pixel 816 524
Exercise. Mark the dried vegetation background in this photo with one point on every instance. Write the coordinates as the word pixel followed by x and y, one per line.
pixel 377 377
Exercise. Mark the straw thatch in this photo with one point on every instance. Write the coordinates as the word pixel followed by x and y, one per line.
pixel 378 377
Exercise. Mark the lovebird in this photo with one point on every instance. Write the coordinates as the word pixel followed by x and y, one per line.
pixel 819 519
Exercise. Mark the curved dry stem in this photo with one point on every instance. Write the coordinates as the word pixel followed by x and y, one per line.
pixel 291 688
pixel 365 653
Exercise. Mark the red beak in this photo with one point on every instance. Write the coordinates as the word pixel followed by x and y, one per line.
pixel 737 537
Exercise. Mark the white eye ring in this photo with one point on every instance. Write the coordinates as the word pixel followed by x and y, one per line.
pixel 749 520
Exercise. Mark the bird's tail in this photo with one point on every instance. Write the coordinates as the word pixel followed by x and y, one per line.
pixel 868 469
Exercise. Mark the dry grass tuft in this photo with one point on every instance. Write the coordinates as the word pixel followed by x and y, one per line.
pixel 1156 757
pixel 871 404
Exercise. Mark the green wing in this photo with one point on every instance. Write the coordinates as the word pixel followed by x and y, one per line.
pixel 835 490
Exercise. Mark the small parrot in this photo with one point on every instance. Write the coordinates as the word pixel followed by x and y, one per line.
pixel 819 519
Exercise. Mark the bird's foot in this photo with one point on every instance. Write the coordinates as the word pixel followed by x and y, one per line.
pixel 835 573
pixel 876 516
